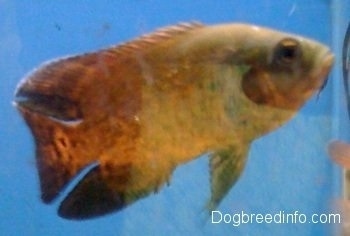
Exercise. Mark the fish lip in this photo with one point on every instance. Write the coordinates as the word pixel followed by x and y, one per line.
pixel 326 62
pixel 326 59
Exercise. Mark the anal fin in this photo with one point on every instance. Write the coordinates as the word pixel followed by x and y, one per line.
pixel 226 167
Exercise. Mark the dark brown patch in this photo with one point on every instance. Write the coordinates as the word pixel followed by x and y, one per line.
pixel 92 197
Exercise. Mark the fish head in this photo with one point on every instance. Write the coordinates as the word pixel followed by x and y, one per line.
pixel 284 70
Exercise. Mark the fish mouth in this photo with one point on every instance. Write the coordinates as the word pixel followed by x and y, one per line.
pixel 327 59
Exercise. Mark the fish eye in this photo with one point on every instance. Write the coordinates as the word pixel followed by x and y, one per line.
pixel 287 51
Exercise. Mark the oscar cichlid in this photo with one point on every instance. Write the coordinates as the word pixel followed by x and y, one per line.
pixel 140 109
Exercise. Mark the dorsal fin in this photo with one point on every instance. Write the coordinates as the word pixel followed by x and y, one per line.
pixel 155 37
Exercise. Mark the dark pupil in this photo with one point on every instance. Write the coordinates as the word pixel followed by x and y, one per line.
pixel 288 51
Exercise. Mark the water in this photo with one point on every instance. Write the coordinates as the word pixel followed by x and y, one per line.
pixel 288 170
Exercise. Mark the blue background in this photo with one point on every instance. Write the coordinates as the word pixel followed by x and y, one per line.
pixel 288 170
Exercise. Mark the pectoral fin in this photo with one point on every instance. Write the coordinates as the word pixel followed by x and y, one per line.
pixel 225 168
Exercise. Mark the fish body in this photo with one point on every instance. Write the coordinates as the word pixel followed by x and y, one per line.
pixel 338 150
pixel 143 108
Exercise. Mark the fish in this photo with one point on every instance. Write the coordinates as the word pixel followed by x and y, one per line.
pixel 129 115
pixel 346 67
pixel 339 150
pixel 339 153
